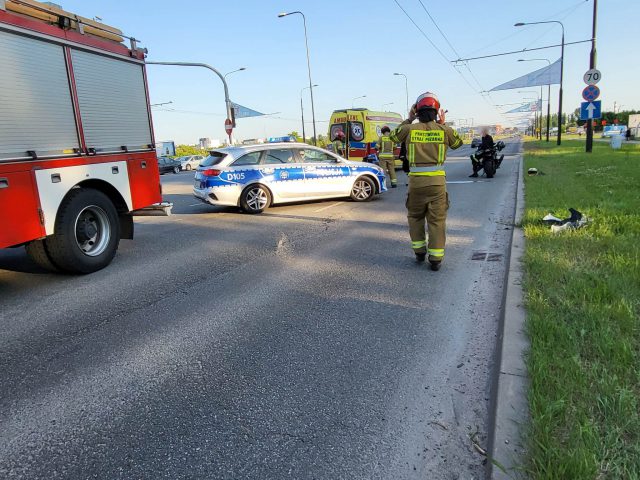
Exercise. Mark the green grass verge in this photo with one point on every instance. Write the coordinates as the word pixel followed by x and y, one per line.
pixel 582 292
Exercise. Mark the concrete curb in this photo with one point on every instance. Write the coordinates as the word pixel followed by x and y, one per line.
pixel 511 408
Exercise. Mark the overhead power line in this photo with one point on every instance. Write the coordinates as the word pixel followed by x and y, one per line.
pixel 441 32
pixel 433 44
pixel 486 96
pixel 524 50
pixel 567 12
pixel 522 30
pixel 433 20
pixel 421 31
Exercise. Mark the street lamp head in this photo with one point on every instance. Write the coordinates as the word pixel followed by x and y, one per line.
pixel 519 24
pixel 242 69
pixel 521 60
pixel 397 74
pixel 280 15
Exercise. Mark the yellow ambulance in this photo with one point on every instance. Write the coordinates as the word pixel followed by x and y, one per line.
pixel 362 130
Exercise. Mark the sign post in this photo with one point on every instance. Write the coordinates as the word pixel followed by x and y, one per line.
pixel 228 127
pixel 592 74
pixel 590 93
pixel 590 110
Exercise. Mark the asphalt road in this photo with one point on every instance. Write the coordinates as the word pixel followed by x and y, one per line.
pixel 301 343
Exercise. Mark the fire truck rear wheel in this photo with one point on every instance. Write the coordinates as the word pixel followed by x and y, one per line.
pixel 87 232
pixel 37 251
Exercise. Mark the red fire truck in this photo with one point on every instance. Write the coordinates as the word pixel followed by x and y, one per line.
pixel 77 156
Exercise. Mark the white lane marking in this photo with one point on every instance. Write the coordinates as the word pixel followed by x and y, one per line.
pixel 328 207
pixel 195 204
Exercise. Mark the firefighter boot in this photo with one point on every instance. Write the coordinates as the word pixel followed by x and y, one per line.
pixel 435 265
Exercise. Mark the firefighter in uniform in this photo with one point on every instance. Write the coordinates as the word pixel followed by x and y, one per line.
pixel 385 155
pixel 338 143
pixel 427 142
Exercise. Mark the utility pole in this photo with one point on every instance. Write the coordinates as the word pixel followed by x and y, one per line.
pixel 592 64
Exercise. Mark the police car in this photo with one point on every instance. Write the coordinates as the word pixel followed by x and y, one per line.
pixel 254 177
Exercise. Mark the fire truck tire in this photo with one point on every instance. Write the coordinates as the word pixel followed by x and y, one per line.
pixel 37 251
pixel 87 232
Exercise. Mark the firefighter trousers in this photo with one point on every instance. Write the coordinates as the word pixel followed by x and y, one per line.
pixel 428 203
pixel 388 164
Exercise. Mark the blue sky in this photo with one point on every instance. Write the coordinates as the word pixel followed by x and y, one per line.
pixel 356 46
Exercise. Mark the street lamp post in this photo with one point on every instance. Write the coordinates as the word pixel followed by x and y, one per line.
pixel 241 69
pixel 204 65
pixel 306 42
pixel 538 116
pixel 406 89
pixel 357 98
pixel 304 135
pixel 535 112
pixel 520 24
pixel 548 91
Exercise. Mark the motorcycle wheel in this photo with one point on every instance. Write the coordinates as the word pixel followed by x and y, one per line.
pixel 489 168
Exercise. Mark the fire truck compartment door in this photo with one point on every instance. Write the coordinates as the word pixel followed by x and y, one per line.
pixel 113 102
pixel 19 216
pixel 36 112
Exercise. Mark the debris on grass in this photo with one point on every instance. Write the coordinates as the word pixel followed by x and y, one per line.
pixel 575 221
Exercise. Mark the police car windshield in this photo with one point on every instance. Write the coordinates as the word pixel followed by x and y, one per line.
pixel 214 158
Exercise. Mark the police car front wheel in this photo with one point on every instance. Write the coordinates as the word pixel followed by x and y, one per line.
pixel 363 190
pixel 255 199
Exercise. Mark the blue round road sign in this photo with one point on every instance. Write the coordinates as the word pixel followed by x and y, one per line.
pixel 590 93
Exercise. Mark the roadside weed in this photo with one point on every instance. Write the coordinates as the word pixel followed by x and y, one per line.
pixel 582 291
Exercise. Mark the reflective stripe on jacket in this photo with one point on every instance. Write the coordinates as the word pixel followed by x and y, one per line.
pixel 385 146
pixel 427 145
pixel 434 171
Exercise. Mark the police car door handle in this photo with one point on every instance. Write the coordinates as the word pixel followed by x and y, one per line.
pixel 4 183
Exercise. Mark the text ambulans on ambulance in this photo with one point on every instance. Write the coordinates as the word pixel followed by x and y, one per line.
pixel 362 130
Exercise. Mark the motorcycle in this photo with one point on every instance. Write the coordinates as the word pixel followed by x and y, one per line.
pixel 487 158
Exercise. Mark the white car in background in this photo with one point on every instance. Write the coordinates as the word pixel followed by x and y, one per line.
pixel 190 162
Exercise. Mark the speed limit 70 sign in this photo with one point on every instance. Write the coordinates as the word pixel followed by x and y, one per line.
pixel 592 76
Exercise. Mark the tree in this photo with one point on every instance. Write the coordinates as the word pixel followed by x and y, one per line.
pixel 295 135
pixel 323 141
pixel 183 150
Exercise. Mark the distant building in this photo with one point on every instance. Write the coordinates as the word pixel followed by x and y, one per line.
pixel 205 143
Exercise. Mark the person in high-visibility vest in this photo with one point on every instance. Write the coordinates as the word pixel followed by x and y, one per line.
pixel 338 143
pixel 427 142
pixel 385 155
